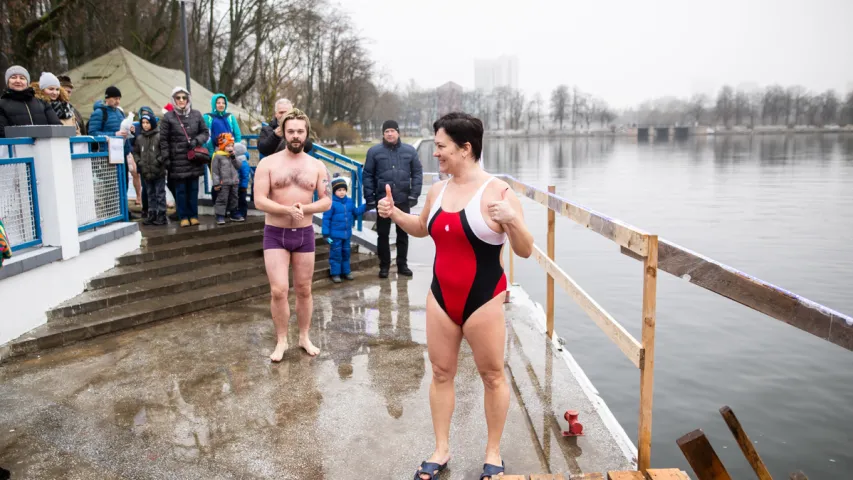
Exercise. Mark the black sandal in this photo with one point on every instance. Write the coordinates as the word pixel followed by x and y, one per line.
pixel 490 470
pixel 427 467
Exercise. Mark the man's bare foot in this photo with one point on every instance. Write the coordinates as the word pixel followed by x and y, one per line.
pixel 309 347
pixel 278 353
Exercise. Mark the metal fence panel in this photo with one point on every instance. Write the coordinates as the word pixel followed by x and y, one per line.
pixel 19 202
pixel 99 186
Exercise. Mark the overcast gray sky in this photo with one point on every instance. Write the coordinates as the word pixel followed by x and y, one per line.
pixel 624 51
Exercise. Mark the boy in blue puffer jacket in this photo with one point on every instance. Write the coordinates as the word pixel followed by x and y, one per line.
pixel 242 154
pixel 337 229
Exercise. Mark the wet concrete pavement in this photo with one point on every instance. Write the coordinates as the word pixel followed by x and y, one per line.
pixel 197 397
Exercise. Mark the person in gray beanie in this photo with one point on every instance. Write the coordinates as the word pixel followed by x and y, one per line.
pixel 19 105
pixel 17 70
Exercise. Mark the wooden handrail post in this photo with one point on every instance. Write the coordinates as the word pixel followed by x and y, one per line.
pixel 550 285
pixel 647 363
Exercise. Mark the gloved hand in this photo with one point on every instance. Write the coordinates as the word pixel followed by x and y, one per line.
pixel 193 144
pixel 413 201
pixel 327 239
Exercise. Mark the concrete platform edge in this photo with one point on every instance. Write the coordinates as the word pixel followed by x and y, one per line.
pixel 520 296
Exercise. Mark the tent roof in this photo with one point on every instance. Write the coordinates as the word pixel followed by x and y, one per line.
pixel 142 83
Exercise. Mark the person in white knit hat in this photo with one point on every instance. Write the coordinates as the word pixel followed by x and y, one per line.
pixel 49 90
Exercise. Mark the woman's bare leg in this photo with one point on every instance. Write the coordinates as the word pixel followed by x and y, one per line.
pixel 443 340
pixel 485 331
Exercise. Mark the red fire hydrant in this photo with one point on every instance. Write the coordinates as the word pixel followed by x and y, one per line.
pixel 575 427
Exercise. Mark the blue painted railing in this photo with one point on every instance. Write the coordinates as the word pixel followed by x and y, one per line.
pixel 26 222
pixel 355 169
pixel 119 190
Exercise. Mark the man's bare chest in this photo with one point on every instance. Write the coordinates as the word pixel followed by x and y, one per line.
pixel 304 178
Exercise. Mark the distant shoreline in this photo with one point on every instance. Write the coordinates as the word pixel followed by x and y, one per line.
pixel 697 132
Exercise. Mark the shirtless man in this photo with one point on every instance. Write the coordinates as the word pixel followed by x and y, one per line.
pixel 284 189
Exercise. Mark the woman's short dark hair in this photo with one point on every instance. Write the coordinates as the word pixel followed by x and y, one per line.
pixel 462 128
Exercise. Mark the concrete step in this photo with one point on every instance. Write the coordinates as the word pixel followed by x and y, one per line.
pixel 65 331
pixel 184 281
pixel 190 246
pixel 135 273
pixel 159 235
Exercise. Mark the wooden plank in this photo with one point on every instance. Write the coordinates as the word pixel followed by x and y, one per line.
pixel 666 474
pixel 745 444
pixel 647 366
pixel 617 333
pixel 764 297
pixel 798 475
pixel 549 312
pixel 625 476
pixel 701 456
pixel 621 233
pixel 548 476
pixel 512 477
pixel 590 476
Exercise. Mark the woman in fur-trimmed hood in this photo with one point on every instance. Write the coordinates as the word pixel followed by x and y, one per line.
pixel 48 90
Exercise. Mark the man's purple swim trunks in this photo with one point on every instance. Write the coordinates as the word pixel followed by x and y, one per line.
pixel 294 240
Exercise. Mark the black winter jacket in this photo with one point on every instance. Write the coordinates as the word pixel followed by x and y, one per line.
pixel 19 108
pixel 174 145
pixel 146 153
pixel 269 142
pixel 396 165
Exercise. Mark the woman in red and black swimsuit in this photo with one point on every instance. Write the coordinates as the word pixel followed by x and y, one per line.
pixel 469 218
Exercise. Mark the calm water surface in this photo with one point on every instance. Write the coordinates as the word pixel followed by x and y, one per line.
pixel 777 207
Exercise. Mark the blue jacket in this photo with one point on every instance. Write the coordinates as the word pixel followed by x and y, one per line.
pixel 337 221
pixel 106 121
pixel 220 122
pixel 245 173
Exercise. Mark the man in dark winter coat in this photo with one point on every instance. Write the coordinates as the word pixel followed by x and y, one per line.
pixel 271 138
pixel 181 130
pixel 19 105
pixel 396 164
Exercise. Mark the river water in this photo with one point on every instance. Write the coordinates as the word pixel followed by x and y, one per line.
pixel 777 207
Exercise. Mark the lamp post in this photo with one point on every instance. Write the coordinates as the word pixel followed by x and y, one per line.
pixel 186 41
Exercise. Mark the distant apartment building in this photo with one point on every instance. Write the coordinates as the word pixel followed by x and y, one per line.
pixel 448 98
pixel 492 73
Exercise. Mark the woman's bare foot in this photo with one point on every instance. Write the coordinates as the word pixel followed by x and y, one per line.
pixel 278 353
pixel 494 458
pixel 309 347
pixel 440 458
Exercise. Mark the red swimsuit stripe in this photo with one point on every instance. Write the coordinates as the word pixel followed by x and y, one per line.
pixel 467 271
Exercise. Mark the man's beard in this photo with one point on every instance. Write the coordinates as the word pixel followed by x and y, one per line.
pixel 295 148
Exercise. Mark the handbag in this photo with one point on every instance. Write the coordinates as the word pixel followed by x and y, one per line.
pixel 197 155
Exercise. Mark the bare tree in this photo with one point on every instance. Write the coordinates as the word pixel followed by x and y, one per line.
pixel 560 104
pixel 829 112
pixel 725 104
pixel 516 109
pixel 697 106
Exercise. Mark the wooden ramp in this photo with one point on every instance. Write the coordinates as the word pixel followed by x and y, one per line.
pixel 651 474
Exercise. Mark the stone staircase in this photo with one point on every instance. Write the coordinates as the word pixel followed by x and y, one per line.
pixel 176 271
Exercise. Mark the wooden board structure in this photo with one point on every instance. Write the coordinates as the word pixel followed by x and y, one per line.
pixel 612 328
pixel 651 474
pixel 702 457
pixel 625 235
pixel 764 297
